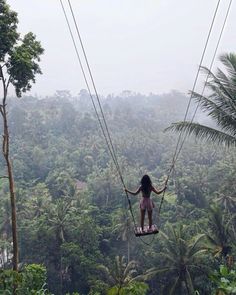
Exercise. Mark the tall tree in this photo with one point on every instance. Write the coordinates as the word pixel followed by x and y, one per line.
pixel 123 275
pixel 220 105
pixel 19 59
pixel 220 232
pixel 182 259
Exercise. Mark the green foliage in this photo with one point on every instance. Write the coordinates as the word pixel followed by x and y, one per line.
pixel 220 106
pixel 221 234
pixel 136 288
pixel 225 280
pixel 181 258
pixel 20 56
pixel 30 281
pixel 33 279
pixel 22 65
pixel 73 214
pixel 72 211
pixel 8 25
pixel 9 278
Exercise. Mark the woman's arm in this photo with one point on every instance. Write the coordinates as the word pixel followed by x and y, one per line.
pixel 158 192
pixel 133 193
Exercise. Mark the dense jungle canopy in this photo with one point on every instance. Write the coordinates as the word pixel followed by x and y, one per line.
pixel 72 212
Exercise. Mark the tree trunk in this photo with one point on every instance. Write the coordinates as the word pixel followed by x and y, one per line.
pixel 5 148
pixel 128 250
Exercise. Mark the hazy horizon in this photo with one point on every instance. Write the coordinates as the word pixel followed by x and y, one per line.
pixel 151 46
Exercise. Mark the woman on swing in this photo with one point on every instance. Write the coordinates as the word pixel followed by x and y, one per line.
pixel 146 202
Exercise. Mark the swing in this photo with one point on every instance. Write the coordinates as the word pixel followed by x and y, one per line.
pixel 137 230
pixel 146 230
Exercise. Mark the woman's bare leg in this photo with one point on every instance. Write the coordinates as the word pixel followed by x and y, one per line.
pixel 150 218
pixel 142 218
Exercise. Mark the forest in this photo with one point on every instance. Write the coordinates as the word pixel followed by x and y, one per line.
pixel 65 223
pixel 73 219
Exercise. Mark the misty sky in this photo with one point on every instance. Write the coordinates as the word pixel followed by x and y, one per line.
pixel 139 45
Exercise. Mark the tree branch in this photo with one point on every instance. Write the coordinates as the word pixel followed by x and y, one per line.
pixel 1 110
pixel 8 82
pixel 3 177
pixel 4 65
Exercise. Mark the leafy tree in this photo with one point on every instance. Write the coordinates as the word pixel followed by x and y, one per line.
pixel 135 288
pixel 220 234
pixel 123 276
pixel 59 218
pixel 123 227
pixel 30 280
pixel 19 59
pixel 225 280
pixel 182 259
pixel 220 105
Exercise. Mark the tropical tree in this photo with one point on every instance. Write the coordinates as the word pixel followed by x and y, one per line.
pixel 220 233
pixel 123 227
pixel 19 59
pixel 59 218
pixel 227 202
pixel 225 280
pixel 123 277
pixel 182 259
pixel 220 105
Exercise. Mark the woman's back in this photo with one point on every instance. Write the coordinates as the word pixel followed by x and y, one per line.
pixel 146 191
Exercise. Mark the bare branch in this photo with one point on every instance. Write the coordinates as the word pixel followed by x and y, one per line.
pixel 8 82
pixel 3 177
pixel 4 65
pixel 1 110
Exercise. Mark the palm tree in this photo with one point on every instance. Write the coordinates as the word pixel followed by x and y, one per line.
pixel 182 259
pixel 124 229
pixel 220 234
pixel 220 105
pixel 123 275
pixel 59 218
pixel 227 202
pixel 60 221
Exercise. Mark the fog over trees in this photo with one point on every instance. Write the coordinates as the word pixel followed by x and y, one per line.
pixel 66 226
pixel 73 215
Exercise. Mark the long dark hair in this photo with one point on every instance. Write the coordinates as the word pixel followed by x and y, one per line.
pixel 146 184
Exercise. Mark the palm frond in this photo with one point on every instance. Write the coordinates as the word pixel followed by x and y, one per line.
pixel 148 275
pixel 189 282
pixel 229 61
pixel 227 88
pixel 203 132
pixel 193 247
pixel 171 258
pixel 170 245
pixel 223 98
pixel 221 110
pixel 173 287
pixel 226 82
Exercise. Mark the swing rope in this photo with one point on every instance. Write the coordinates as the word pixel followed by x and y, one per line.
pixel 103 122
pixel 105 131
pixel 177 151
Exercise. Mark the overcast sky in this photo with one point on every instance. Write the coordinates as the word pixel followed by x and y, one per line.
pixel 139 45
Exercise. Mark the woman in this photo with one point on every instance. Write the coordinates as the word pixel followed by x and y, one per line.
pixel 146 203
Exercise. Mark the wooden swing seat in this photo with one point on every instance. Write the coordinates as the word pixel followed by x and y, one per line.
pixel 146 230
